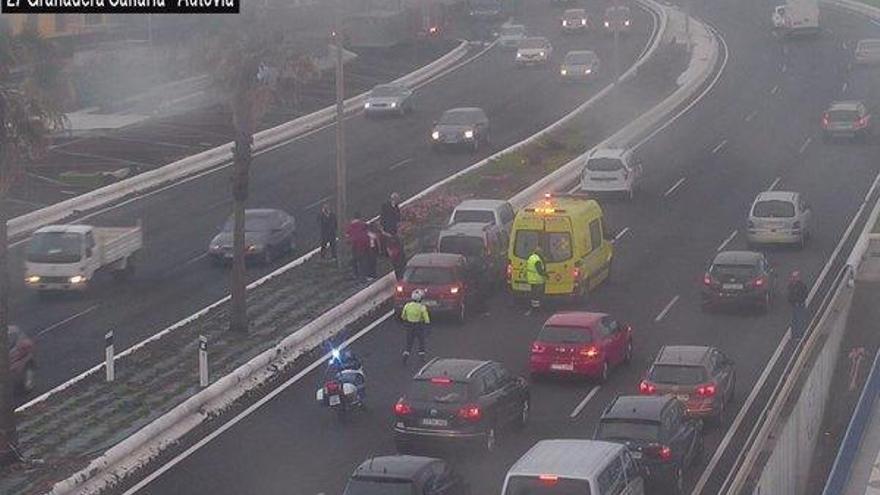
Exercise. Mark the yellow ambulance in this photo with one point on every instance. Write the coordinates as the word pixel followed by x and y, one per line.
pixel 571 232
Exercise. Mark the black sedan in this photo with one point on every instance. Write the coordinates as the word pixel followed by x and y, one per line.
pixel 268 235
pixel 658 431
pixel 467 127
pixel 405 474
pixel 739 277
pixel 460 401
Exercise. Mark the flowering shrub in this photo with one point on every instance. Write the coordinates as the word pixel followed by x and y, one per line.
pixel 433 209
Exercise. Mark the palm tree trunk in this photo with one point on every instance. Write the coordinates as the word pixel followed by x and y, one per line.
pixel 241 112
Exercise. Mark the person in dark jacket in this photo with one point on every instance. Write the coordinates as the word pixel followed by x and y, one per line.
pixel 389 216
pixel 327 226
pixel 797 297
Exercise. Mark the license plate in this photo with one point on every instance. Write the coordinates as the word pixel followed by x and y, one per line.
pixel 431 304
pixel 562 367
pixel 335 400
pixel 732 286
pixel 683 398
pixel 521 286
pixel 435 422
pixel 228 256
pixel 636 455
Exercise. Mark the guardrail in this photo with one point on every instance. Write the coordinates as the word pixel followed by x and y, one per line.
pixel 207 160
pixel 136 451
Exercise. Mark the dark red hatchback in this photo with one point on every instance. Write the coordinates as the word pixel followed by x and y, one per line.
pixel 581 343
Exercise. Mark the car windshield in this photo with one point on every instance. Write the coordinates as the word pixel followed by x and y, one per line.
pixel 533 43
pixel 737 271
pixel 458 118
pixel 513 30
pixel 386 91
pixel 574 14
pixel 869 45
pixel 677 374
pixel 579 58
pixel 546 485
pixel 430 275
pixel 773 209
pixel 556 245
pixel 378 486
pixel 565 335
pixel 252 223
pixel 477 216
pixel 843 115
pixel 485 3
pixel 627 429
pixel 54 247
pixel 445 391
pixel 470 247
pixel 604 164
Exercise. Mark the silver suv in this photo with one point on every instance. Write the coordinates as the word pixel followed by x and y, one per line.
pixel 779 217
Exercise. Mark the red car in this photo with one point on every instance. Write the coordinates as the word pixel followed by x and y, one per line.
pixel 446 280
pixel 580 343
pixel 21 359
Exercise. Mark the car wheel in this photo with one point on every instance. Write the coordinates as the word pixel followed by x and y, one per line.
pixel 476 146
pixel 291 246
pixel 699 450
pixel 523 419
pixel 628 355
pixel 766 302
pixel 603 375
pixel 721 417
pixel 29 379
pixel 732 393
pixel 491 440
pixel 462 313
pixel 678 482
pixel 631 194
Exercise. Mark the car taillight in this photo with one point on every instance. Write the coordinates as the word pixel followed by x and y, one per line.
pixel 826 121
pixel 332 387
pixel 401 408
pixel 707 390
pixel 538 348
pixel 509 272
pixel 759 282
pixel 576 273
pixel 454 290
pixel 441 380
pixel 707 279
pixel 590 351
pixel 646 387
pixel 548 479
pixel 399 289
pixel 662 452
pixel 862 122
pixel 470 413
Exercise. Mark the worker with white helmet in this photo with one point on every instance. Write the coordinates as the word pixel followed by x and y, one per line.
pixel 414 317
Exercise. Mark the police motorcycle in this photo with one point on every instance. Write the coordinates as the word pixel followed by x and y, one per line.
pixel 344 386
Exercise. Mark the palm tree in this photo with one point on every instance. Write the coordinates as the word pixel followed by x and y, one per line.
pixel 244 58
pixel 29 110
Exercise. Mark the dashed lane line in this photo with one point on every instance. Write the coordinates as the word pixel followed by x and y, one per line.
pixel 666 309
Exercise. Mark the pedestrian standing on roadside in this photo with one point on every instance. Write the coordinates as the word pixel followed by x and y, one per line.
pixel 359 241
pixel 327 225
pixel 797 297
pixel 389 216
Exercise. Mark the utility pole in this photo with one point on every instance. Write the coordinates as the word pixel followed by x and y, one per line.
pixel 616 20
pixel 341 171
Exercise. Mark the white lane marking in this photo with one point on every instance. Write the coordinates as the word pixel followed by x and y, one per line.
pixel 401 163
pixel 727 241
pixel 719 451
pixel 193 260
pixel 667 308
pixel 718 146
pixel 845 85
pixel 784 68
pixel 695 100
pixel 67 320
pixel 621 234
pixel 319 202
pixel 774 90
pixel 804 146
pixel 675 186
pixel 580 407
pixel 257 153
pixel 774 183
pixel 247 412
pixel 843 45
pixel 751 116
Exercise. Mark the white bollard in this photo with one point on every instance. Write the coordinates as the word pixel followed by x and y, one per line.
pixel 203 361
pixel 109 363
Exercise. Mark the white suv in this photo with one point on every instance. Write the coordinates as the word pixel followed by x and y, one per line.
pixel 611 170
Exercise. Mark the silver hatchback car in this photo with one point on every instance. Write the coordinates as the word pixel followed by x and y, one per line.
pixel 779 217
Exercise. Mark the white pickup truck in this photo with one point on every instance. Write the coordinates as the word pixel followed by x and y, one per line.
pixel 67 257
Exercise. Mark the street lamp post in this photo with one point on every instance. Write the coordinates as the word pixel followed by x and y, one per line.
pixel 341 171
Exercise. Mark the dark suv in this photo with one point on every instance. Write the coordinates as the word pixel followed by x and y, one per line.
pixel 739 277
pixel 483 245
pixel 460 400
pixel 658 431
pixel 405 475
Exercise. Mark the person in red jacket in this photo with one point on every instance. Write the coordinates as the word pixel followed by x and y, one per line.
pixel 359 241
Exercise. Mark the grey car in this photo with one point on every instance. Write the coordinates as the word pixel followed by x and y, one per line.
pixel 466 126
pixel 779 217
pixel 579 65
pixel 575 21
pixel 617 18
pixel 849 118
pixel 867 52
pixel 510 35
pixel 388 99
pixel 268 234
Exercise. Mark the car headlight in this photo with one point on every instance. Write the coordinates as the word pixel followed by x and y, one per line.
pixel 563 71
pixel 393 104
pixel 435 135
pixel 77 279
pixel 518 55
pixel 565 23
pixel 367 105
pixel 541 54
pixel 468 134
pixel 253 248
pixel 588 71
pixel 583 22
pixel 626 22
pixel 33 279
pixel 607 24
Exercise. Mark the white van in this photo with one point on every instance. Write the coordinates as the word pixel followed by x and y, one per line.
pixel 581 467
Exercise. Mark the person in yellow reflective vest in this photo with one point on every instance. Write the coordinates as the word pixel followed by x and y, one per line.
pixel 536 276
pixel 414 317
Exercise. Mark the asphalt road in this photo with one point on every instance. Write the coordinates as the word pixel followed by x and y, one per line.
pixel 175 280
pixel 759 128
